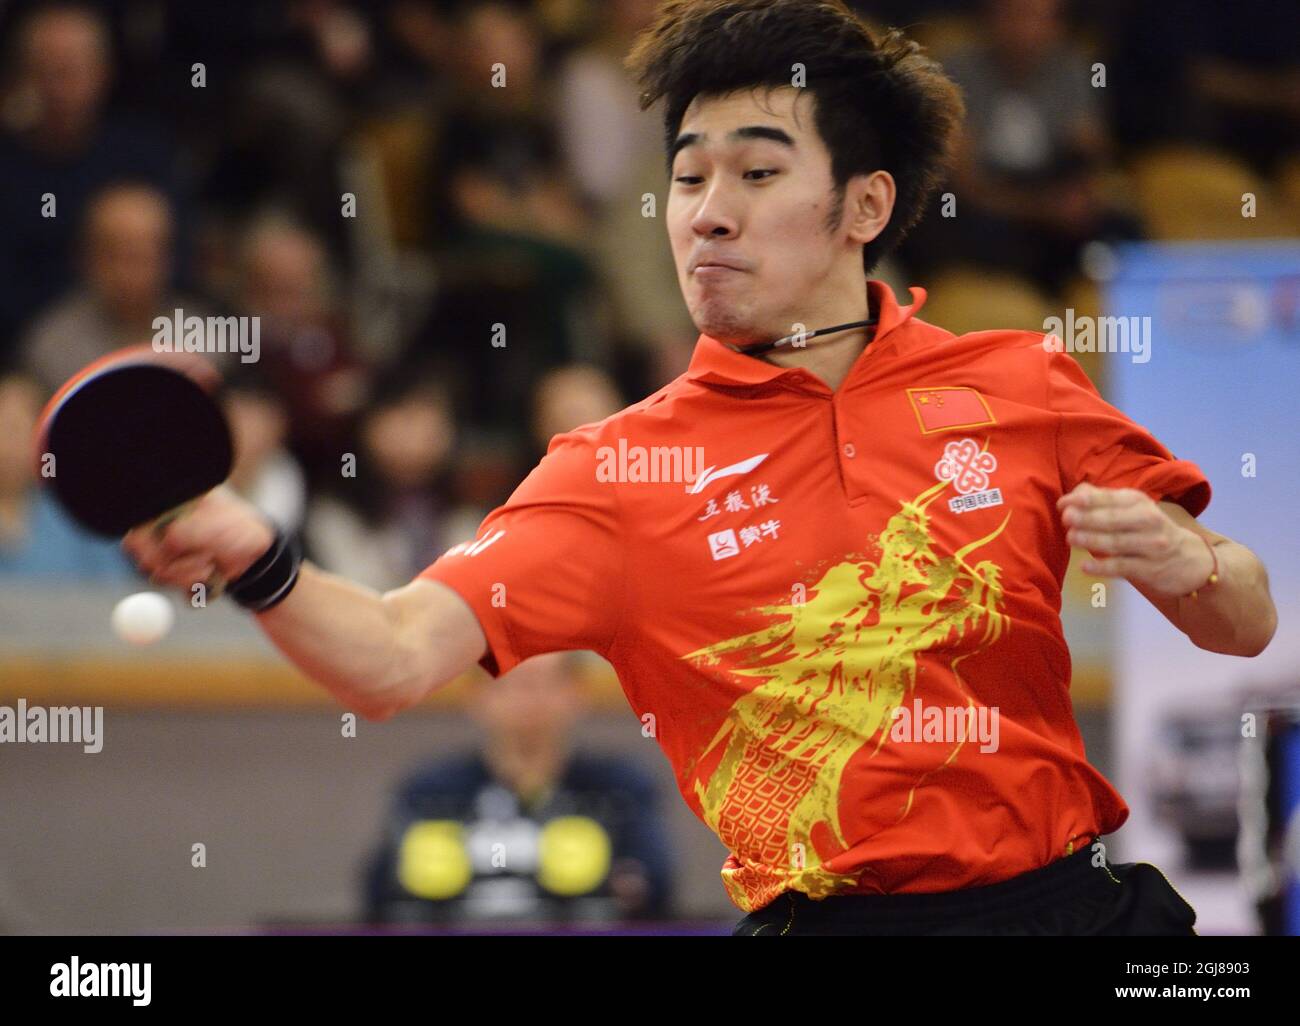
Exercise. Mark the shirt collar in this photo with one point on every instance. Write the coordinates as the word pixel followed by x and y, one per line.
pixel 713 361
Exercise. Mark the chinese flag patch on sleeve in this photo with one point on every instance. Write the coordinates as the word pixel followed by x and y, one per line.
pixel 940 408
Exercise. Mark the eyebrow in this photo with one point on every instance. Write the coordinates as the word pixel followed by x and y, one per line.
pixel 735 135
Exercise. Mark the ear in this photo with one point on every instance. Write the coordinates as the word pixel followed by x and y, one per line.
pixel 868 205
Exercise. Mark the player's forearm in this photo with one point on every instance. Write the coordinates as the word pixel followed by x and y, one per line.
pixel 353 642
pixel 1236 615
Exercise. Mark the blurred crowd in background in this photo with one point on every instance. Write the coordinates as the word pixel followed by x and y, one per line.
pixel 389 184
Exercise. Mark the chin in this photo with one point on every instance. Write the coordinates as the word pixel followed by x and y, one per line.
pixel 728 334
pixel 723 328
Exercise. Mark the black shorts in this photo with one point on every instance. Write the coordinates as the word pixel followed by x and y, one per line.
pixel 1069 897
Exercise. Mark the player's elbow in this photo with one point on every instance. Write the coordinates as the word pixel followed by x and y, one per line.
pixel 1260 638
pixel 414 669
pixel 1258 631
pixel 377 713
pixel 386 704
pixel 379 708
pixel 1248 640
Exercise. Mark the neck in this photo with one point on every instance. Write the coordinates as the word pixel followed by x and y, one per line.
pixel 830 357
pixel 831 360
pixel 525 765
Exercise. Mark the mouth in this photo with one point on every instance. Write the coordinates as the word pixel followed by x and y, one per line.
pixel 710 262
pixel 714 264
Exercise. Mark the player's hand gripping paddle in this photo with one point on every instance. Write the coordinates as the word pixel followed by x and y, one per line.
pixel 133 439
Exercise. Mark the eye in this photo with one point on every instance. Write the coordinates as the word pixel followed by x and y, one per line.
pixel 688 179
pixel 765 171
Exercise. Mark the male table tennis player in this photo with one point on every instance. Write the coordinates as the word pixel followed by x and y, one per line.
pixel 878 528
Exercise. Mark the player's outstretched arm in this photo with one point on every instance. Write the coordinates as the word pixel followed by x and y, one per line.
pixel 376 653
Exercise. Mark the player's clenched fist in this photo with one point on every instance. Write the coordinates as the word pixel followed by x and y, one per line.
pixel 1128 536
pixel 219 535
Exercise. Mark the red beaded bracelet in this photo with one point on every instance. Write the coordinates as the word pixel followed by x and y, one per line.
pixel 1214 574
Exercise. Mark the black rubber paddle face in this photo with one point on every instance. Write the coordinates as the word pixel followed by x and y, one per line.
pixel 132 442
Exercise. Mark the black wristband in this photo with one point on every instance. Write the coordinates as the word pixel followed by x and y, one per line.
pixel 271 577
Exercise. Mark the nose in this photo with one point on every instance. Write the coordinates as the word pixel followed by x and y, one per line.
pixel 715 215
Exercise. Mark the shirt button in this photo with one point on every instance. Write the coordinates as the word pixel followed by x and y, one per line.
pixel 849 451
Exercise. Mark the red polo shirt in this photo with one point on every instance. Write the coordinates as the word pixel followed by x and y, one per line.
pixel 836 611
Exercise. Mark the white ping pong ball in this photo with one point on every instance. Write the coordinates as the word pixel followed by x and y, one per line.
pixel 143 618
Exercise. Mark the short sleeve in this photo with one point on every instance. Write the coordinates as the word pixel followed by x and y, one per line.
pixel 545 571
pixel 1097 443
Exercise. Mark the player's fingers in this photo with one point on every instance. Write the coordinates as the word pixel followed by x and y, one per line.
pixel 1088 495
pixel 1119 497
pixel 143 547
pixel 185 572
pixel 1114 518
pixel 184 535
pixel 1121 543
pixel 1079 495
pixel 1113 566
pixel 155 555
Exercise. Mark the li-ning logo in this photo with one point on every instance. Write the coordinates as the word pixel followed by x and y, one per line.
pixel 473 548
pixel 710 475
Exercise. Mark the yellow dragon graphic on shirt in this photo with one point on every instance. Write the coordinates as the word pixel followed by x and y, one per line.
pixel 831 672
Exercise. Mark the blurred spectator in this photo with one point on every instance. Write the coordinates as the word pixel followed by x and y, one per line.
pixel 264 472
pixel 651 325
pixel 495 37
pixel 394 143
pixel 283 131
pixel 57 149
pixel 615 152
pixel 1026 177
pixel 569 397
pixel 37 540
pixel 417 43
pixel 605 133
pixel 1028 92
pixel 527 827
pixel 338 38
pixel 126 270
pixel 1223 74
pixel 510 232
pixel 307 352
pixel 501 160
pixel 395 515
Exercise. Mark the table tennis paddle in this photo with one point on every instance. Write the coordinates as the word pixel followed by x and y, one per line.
pixel 133 439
